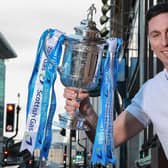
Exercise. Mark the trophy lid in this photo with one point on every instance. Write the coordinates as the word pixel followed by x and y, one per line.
pixel 87 32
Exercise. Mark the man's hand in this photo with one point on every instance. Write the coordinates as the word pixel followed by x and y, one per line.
pixel 80 99
pixel 74 99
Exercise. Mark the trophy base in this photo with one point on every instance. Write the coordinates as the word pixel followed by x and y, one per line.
pixel 73 123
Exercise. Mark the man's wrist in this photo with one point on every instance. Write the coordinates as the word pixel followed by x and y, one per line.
pixel 90 116
pixel 87 111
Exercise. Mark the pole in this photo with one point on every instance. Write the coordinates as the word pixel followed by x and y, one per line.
pixel 85 151
pixel 70 150
pixel 65 155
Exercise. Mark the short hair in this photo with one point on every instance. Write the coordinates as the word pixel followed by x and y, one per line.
pixel 156 10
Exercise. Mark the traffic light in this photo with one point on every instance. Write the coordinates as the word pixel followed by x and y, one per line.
pixel 104 18
pixel 5 155
pixel 10 115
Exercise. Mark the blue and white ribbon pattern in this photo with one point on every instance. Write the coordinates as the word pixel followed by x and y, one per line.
pixel 103 148
pixel 40 105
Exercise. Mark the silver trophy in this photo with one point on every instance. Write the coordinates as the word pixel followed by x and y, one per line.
pixel 80 67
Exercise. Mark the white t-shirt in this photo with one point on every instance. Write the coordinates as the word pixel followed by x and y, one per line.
pixel 150 104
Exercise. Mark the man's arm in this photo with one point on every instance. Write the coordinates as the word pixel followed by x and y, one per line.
pixel 125 127
pixel 90 116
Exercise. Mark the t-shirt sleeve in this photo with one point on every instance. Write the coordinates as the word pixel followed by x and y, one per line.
pixel 137 108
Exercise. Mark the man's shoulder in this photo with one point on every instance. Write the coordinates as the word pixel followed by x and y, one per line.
pixel 155 79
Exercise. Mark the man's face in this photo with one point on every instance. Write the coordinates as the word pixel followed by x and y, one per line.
pixel 158 36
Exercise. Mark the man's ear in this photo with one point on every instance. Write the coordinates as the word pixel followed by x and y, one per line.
pixel 150 46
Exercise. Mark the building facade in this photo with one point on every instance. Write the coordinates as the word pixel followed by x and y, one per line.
pixel 6 52
pixel 2 92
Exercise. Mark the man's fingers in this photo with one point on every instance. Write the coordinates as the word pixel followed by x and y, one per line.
pixel 73 103
pixel 83 94
pixel 70 94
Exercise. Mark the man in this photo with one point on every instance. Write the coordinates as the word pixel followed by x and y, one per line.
pixel 150 103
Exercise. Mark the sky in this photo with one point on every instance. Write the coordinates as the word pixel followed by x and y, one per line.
pixel 22 23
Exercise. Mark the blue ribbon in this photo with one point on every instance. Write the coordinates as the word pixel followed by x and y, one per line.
pixel 45 129
pixel 42 80
pixel 48 130
pixel 103 148
pixel 35 71
pixel 53 59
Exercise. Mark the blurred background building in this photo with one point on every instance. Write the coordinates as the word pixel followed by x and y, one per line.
pixel 6 52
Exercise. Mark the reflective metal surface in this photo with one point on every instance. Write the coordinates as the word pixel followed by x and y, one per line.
pixel 81 67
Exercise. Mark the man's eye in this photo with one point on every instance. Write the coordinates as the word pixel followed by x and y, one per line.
pixel 155 35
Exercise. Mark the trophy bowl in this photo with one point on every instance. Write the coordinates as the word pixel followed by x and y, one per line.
pixel 81 65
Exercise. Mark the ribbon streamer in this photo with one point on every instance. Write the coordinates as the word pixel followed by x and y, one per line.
pixel 40 109
pixel 103 148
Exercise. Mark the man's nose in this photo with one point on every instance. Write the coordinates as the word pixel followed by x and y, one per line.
pixel 165 39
